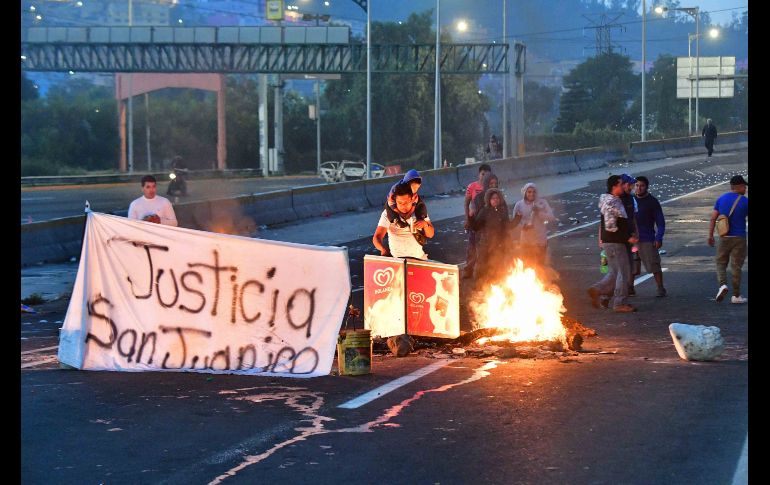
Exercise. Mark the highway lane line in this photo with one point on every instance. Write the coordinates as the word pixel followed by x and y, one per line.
pixel 644 278
pixel 41 361
pixel 392 386
pixel 25 352
pixel 741 476
pixel 664 202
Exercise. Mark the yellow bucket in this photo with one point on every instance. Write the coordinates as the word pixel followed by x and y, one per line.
pixel 354 352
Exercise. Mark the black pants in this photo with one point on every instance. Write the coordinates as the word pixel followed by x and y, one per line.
pixel 710 145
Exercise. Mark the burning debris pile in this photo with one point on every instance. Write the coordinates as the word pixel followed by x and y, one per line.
pixel 520 316
pixel 479 343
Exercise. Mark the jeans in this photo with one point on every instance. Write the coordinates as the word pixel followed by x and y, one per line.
pixel 731 248
pixel 618 276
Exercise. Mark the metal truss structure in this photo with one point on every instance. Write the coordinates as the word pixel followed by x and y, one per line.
pixel 262 58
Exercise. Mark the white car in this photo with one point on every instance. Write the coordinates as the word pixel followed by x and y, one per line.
pixel 330 171
pixel 352 170
pixel 377 170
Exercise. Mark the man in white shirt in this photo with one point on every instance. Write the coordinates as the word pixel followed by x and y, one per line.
pixel 401 230
pixel 152 207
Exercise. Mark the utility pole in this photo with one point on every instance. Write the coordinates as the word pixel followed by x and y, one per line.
pixel 130 100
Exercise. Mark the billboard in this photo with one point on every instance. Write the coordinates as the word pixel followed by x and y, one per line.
pixel 716 77
pixel 274 9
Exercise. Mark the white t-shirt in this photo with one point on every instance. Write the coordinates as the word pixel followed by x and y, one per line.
pixel 400 239
pixel 143 207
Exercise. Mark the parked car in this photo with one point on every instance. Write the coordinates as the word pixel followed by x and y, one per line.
pixel 377 170
pixel 330 171
pixel 352 170
pixel 348 170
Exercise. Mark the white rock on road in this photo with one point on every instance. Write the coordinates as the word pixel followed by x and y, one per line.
pixel 696 342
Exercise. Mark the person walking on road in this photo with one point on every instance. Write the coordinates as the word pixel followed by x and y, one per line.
pixel 474 188
pixel 615 236
pixel 534 213
pixel 152 207
pixel 709 134
pixel 628 182
pixel 492 227
pixel 402 237
pixel 651 226
pixel 732 246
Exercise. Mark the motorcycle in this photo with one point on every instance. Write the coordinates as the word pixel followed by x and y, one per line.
pixel 178 184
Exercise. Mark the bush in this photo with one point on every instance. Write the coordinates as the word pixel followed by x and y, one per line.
pixel 36 167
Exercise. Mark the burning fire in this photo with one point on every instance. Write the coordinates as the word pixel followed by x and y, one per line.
pixel 523 308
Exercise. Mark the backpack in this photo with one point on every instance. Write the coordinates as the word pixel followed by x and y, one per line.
pixel 723 221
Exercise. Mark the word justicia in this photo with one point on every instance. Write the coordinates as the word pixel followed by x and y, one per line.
pixel 217 288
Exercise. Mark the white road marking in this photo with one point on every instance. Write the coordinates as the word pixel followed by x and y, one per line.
pixel 392 385
pixel 644 278
pixel 741 476
pixel 41 361
pixel 664 202
pixel 39 350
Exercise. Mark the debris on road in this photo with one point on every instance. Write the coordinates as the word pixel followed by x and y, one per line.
pixel 697 342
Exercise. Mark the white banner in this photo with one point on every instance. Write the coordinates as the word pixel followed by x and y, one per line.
pixel 154 297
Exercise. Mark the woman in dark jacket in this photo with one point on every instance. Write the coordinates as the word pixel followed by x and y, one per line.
pixel 493 228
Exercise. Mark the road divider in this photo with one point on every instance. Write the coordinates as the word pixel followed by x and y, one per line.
pixel 60 239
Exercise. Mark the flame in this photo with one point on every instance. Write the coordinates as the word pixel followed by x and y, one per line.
pixel 523 307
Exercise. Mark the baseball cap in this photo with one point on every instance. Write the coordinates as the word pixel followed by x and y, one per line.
pixel 738 180
pixel 627 179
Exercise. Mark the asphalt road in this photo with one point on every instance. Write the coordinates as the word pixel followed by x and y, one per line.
pixel 635 414
pixel 44 203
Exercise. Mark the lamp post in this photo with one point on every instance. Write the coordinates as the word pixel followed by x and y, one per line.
pixel 317 89
pixel 694 12
pixel 437 97
pixel 713 33
pixel 644 65
pixel 368 89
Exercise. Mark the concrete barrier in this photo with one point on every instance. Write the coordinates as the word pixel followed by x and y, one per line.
pixel 193 215
pixel 51 241
pixel 680 147
pixel 469 173
pixel 641 151
pixel 376 190
pixel 736 140
pixel 591 158
pixel 316 200
pixel 440 181
pixel 530 166
pixel 269 208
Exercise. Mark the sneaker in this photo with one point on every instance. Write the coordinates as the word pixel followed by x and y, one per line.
pixel 661 292
pixel 721 293
pixel 593 293
pixel 739 299
pixel 631 291
pixel 624 309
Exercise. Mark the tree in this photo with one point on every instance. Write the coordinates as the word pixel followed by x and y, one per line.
pixel 28 88
pixel 539 106
pixel 598 91
pixel 73 127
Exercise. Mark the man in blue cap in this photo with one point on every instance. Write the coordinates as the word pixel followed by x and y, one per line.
pixel 732 245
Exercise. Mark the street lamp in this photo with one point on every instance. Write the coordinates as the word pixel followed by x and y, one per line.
pixel 437 96
pixel 694 12
pixel 713 33
pixel 462 25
